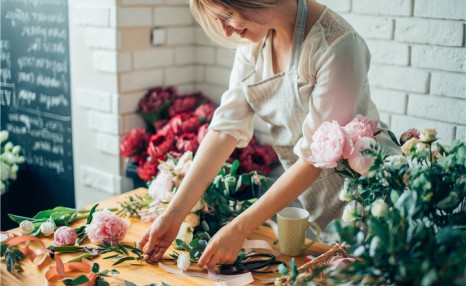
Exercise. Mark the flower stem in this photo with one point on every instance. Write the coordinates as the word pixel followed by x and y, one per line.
pixel 82 256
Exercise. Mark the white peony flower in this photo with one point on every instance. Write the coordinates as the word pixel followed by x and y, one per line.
pixel 47 228
pixel 26 227
pixel 184 163
pixel 8 146
pixel 185 233
pixel 183 262
pixel 349 213
pixel 379 208
pixel 15 151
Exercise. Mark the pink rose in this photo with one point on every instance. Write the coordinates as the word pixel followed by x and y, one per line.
pixel 106 226
pixel 359 161
pixel 330 143
pixel 64 236
pixel 361 127
pixel 408 134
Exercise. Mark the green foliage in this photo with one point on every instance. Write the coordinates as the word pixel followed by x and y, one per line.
pixel 419 239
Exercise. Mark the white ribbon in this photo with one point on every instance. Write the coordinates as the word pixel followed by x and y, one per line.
pixel 228 280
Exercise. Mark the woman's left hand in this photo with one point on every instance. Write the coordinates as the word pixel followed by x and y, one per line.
pixel 223 247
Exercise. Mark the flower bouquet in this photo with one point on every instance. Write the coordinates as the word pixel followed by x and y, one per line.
pixel 405 219
pixel 177 124
pixel 9 160
pixel 219 204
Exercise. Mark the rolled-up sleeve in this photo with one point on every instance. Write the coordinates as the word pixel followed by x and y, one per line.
pixel 340 89
pixel 234 116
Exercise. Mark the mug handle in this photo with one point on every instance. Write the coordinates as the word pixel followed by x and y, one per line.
pixel 317 227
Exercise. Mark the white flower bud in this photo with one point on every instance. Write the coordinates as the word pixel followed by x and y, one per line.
pixel 199 205
pixel 183 262
pixel 396 161
pixel 379 208
pixel 13 171
pixel 26 227
pixel 4 171
pixel 3 136
pixel 428 135
pixel 349 213
pixel 47 228
pixel 344 195
pixel 185 233
pixel 15 150
pixel 8 147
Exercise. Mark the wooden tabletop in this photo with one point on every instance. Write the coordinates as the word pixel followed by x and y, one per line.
pixel 143 273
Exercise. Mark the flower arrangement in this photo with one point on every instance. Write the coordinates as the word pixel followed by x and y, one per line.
pixel 9 159
pixel 176 124
pixel 222 201
pixel 405 218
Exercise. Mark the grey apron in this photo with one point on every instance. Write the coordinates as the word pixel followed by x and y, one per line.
pixel 277 101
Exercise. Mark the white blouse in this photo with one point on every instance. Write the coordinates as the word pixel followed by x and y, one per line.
pixel 333 66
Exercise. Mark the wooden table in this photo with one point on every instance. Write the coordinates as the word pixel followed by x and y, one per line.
pixel 144 273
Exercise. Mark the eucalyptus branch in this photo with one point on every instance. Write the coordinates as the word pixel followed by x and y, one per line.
pixel 132 206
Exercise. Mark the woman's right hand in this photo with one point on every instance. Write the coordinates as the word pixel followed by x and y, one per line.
pixel 159 236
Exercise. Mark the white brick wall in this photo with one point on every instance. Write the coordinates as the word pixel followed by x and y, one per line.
pixel 418 71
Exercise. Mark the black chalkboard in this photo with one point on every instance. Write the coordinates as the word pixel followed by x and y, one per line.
pixel 36 103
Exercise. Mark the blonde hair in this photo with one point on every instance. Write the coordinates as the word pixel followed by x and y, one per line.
pixel 204 12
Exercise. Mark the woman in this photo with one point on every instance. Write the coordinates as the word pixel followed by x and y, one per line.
pixel 306 65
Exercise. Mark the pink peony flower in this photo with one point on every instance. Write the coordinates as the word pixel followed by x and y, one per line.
pixel 187 142
pixel 359 161
pixel 65 236
pixel 330 143
pixel 160 189
pixel 106 226
pixel 361 127
pixel 202 132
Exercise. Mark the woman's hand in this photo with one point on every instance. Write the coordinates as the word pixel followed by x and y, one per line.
pixel 223 247
pixel 160 236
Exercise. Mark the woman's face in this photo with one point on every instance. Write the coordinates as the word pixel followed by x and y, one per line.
pixel 247 24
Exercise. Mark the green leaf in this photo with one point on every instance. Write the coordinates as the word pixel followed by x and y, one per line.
pixel 114 272
pixel 393 137
pixel 294 270
pixel 95 268
pixel 91 214
pixel 18 219
pixel 165 284
pixel 234 167
pixel 3 249
pixel 123 260
pixel 100 282
pixel 205 225
pixel 79 280
pixel 127 283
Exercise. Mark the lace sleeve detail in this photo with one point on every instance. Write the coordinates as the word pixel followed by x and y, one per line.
pixel 334 26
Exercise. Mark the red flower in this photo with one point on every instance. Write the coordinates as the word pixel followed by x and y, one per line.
pixel 156 98
pixel 182 123
pixel 148 170
pixel 134 145
pixel 272 155
pixel 187 142
pixel 183 104
pixel 160 144
pixel 254 159
pixel 202 132
pixel 205 111
pixel 160 124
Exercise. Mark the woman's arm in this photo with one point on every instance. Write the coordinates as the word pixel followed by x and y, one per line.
pixel 226 244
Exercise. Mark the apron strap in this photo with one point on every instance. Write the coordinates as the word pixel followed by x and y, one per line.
pixel 298 34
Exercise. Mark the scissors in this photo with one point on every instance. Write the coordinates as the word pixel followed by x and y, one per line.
pixel 250 263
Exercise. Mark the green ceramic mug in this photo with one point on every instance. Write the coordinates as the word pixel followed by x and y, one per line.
pixel 292 226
